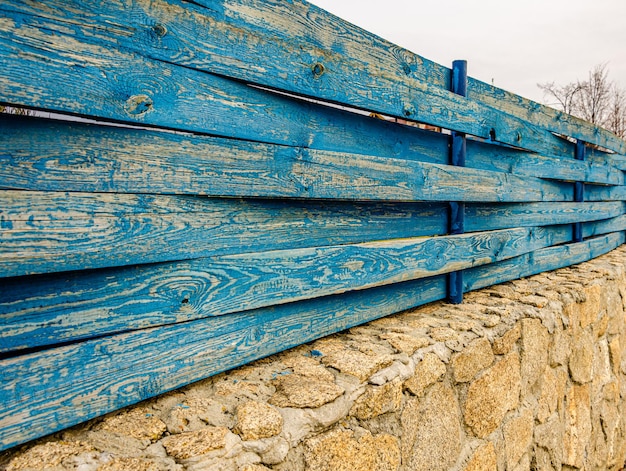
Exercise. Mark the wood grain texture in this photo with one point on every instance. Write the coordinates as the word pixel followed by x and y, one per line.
pixel 540 261
pixel 101 375
pixel 308 173
pixel 224 207
pixel 116 154
pixel 46 232
pixel 499 158
pixel 108 83
pixel 618 161
pixel 110 377
pixel 605 193
pixel 591 229
pixel 65 156
pixel 484 217
pixel 34 313
pixel 541 115
pixel 154 35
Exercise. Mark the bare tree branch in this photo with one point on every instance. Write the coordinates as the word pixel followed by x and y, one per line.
pixel 597 100
pixel 565 95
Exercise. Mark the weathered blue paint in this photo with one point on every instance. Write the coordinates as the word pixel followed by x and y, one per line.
pixel 97 303
pixel 487 217
pixel 178 354
pixel 110 230
pixel 385 78
pixel 220 210
pixel 542 260
pixel 44 155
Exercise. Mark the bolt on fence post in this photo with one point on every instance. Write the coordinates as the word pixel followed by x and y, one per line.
pixel 457 158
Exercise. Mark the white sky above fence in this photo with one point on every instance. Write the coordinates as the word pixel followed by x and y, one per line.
pixel 515 44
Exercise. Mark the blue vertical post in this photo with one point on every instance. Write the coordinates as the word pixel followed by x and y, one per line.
pixel 457 158
pixel 579 191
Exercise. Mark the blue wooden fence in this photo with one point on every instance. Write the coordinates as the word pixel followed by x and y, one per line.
pixel 209 212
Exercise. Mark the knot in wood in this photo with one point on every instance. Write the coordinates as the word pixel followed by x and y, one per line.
pixel 138 105
pixel 160 30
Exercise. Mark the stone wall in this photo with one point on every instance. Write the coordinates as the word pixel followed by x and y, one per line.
pixel 525 375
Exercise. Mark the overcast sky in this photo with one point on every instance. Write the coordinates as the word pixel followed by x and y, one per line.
pixel 515 44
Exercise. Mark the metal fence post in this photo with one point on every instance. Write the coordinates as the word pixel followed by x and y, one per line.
pixel 579 190
pixel 457 158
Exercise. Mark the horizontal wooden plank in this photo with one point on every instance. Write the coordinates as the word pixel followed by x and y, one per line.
pixel 48 310
pixel 618 161
pixel 64 156
pixel 332 37
pixel 605 193
pixel 540 261
pixel 597 154
pixel 308 173
pixel 102 375
pixel 149 89
pixel 313 174
pixel 44 232
pixel 119 85
pixel 518 162
pixel 595 228
pixel 544 116
pixel 485 217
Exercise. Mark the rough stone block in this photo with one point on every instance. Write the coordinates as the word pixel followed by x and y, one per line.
pixel 549 397
pixel 483 459
pixel 615 350
pixel 138 464
pixel 535 342
pixel 257 420
pixel 560 348
pixel 427 372
pixel 254 467
pixel 308 367
pixel 611 431
pixel 591 307
pixel 476 357
pixel 405 343
pixel 356 363
pixel 300 391
pixel 344 450
pixel 378 400
pixel 601 365
pixel 190 444
pixel 139 423
pixel 431 430
pixel 443 334
pixel 52 455
pixel 549 443
pixel 504 344
pixel 518 434
pixel 195 412
pixel 581 359
pixel 577 430
pixel 492 395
